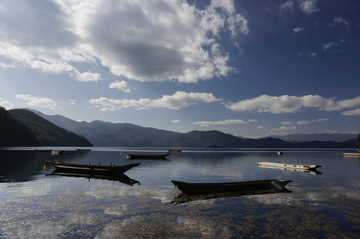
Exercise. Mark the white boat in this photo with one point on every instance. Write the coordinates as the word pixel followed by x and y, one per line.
pixel 56 152
pixel 351 154
pixel 300 167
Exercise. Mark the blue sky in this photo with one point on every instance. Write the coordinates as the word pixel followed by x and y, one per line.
pixel 249 68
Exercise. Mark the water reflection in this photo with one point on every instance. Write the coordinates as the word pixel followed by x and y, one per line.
pixel 326 206
pixel 111 177
pixel 20 166
pixel 184 198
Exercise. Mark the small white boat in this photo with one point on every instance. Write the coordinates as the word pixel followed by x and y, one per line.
pixel 351 154
pixel 300 167
pixel 56 152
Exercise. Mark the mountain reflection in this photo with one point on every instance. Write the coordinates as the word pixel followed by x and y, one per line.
pixel 20 166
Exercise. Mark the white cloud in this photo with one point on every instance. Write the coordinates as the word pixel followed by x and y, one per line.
pixel 351 112
pixel 312 54
pixel 175 121
pixel 6 65
pixel 221 122
pixel 141 40
pixel 288 5
pixel 328 45
pixel 120 85
pixel 286 123
pixel 339 21
pixel 88 76
pixel 176 101
pixel 306 6
pixel 291 104
pixel 309 6
pixel 303 122
pixel 320 120
pixel 33 101
pixel 298 29
pixel 285 128
pixel 5 104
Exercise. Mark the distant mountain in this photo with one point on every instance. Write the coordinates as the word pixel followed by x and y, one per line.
pixel 15 133
pixel 101 133
pixel 47 133
pixel 317 137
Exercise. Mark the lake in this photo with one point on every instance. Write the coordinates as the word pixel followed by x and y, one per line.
pixel 35 204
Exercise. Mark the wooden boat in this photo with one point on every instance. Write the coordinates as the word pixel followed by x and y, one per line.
pixel 43 150
pixel 148 156
pixel 289 166
pixel 351 154
pixel 91 168
pixel 313 171
pixel 243 186
pixel 174 150
pixel 83 150
pixel 120 177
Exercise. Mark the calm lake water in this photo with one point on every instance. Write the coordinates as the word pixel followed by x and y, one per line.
pixel 34 204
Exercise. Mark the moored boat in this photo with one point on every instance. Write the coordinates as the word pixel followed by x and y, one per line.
pixel 83 149
pixel 351 154
pixel 289 166
pixel 313 171
pixel 148 156
pixel 275 185
pixel 56 152
pixel 91 168
pixel 174 150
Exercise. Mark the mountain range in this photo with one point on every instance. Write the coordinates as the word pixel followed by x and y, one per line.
pixel 316 137
pixel 27 127
pixel 101 133
pixel 14 132
pixel 21 127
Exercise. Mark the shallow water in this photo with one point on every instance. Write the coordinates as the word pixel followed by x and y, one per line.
pixel 34 204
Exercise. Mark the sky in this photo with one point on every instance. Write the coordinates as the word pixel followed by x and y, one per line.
pixel 249 68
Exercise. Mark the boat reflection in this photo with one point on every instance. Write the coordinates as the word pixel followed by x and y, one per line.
pixel 120 177
pixel 184 198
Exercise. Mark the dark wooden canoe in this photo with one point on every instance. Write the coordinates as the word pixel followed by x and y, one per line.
pixel 148 156
pixel 83 149
pixel 91 168
pixel 174 150
pixel 243 186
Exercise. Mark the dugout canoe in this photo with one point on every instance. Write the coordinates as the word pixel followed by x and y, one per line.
pixel 242 186
pixel 91 168
pixel 147 156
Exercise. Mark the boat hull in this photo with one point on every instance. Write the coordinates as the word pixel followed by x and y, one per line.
pixel 299 167
pixel 351 154
pixel 272 185
pixel 92 169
